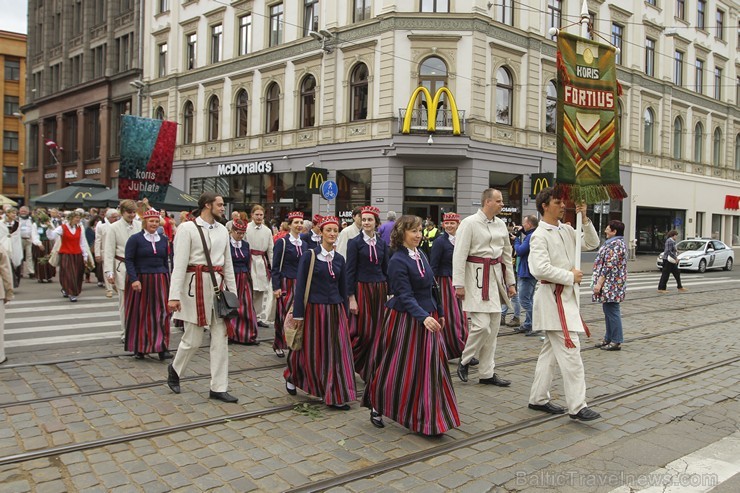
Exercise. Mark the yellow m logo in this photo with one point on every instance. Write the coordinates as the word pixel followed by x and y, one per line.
pixel 316 180
pixel 539 184
pixel 432 105
pixel 83 195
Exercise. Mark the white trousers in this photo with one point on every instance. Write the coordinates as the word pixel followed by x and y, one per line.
pixel 554 353
pixel 219 352
pixel 28 267
pixel 482 340
pixel 264 305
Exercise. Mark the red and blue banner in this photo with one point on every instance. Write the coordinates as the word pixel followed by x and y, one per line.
pixel 147 151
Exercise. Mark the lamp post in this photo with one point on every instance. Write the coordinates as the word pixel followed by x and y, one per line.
pixel 139 86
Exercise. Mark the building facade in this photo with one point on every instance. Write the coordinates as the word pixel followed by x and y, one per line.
pixel 12 92
pixel 84 64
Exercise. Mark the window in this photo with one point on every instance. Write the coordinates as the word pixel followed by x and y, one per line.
pixel 70 132
pixel 308 102
pixel 11 105
pixel 76 62
pixel 701 8
pixel 162 60
pixel 310 16
pixel 245 34
pixel 33 146
pixel 10 141
pixel 213 118
pixel 120 108
pixel 435 6
pixel 591 25
pixel 698 140
pixel 551 104
pixel 678 68
pixel 504 96
pixel 92 133
pixel 77 17
pixel 187 123
pixel 699 81
pixel 651 2
pixel 720 25
pixel 163 6
pixel 217 43
pixel 554 15
pixel 678 138
pixel 191 50
pixel 358 93
pixel 361 11
pixel 49 132
pixel 272 113
pixel 56 77
pixel 737 152
pixel 717 83
pixel 617 37
pixel 505 12
pixel 242 113
pixel 681 9
pixel 620 112
pixel 10 176
pixel 717 147
pixel 433 74
pixel 56 27
pixel 650 57
pixel 98 61
pixel 125 47
pixel 99 12
pixel 276 24
pixel 12 68
pixel 159 113
pixel 649 122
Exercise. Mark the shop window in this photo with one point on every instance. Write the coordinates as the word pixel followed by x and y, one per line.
pixel 504 96
pixel 354 190
pixel 699 224
pixel 698 143
pixel 649 130
pixel 717 147
pixel 358 93
pixel 218 184
pixel 678 138
pixel 717 226
pixel 308 102
pixel 272 113
pixel 242 113
pixel 213 114
pixel 551 104
pixel 429 192
pixel 187 123
pixel 735 231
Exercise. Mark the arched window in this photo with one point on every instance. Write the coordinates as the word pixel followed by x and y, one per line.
pixel 358 93
pixel 717 147
pixel 272 111
pixel 737 152
pixel 551 103
pixel 242 113
pixel 504 96
pixel 213 118
pixel 678 138
pixel 649 122
pixel 308 102
pixel 187 123
pixel 433 74
pixel 698 142
pixel 159 113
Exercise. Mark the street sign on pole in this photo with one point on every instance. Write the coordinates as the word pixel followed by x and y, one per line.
pixel 329 190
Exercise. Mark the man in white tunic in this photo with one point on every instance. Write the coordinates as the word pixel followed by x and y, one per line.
pixel 101 231
pixel 25 224
pixel 349 232
pixel 114 254
pixel 483 283
pixel 259 237
pixel 552 252
pixel 192 294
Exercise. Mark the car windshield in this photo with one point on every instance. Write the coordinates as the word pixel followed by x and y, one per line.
pixel 688 245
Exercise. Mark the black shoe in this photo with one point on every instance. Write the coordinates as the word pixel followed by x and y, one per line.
pixel 173 379
pixel 474 362
pixel 279 353
pixel 495 380
pixel 585 414
pixel 339 407
pixel 73 299
pixel 64 294
pixel 163 355
pixel 223 396
pixel 533 333
pixel 612 346
pixel 548 408
pixel 139 355
pixel 289 390
pixel 100 284
pixel 376 419
pixel 262 324
pixel 520 330
pixel 462 372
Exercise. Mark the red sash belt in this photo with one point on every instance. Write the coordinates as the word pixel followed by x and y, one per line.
pixel 263 254
pixel 200 305
pixel 488 263
pixel 561 314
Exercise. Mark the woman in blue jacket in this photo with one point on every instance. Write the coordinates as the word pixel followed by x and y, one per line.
pixel 242 329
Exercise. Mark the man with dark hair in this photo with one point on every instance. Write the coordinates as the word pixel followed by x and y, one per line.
pixel 526 282
pixel 191 293
pixel 552 254
pixel 259 237
pixel 349 232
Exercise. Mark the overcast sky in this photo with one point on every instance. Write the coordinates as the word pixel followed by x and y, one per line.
pixel 13 16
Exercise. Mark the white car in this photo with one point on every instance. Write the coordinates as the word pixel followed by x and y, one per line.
pixel 700 254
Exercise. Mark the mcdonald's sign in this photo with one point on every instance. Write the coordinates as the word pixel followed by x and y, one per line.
pixel 315 177
pixel 515 187
pixel 540 181
pixel 83 195
pixel 432 106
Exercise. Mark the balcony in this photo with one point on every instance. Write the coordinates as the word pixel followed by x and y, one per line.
pixel 420 121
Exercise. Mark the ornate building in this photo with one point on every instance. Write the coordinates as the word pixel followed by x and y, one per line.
pixel 12 92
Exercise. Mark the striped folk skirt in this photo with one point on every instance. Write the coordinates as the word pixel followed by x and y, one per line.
pixel 71 273
pixel 281 309
pixel 412 384
pixel 44 270
pixel 363 327
pixel 323 367
pixel 244 326
pixel 147 319
pixel 455 331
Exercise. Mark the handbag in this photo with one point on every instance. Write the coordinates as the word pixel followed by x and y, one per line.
pixel 54 254
pixel 225 303
pixel 294 333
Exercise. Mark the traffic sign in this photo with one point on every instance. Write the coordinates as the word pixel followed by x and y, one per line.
pixel 329 190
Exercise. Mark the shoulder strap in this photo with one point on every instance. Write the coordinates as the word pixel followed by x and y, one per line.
pixel 208 257
pixel 310 276
pixel 283 256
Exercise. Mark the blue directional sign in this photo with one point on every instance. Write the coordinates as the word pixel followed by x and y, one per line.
pixel 329 190
pixel 677 222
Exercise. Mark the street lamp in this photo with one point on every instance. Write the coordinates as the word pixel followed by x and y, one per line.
pixel 326 39
pixel 139 86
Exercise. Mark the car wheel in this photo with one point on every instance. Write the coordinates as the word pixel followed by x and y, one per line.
pixel 728 265
pixel 702 266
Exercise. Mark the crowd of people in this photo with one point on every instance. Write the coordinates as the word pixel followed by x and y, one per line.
pixel 393 303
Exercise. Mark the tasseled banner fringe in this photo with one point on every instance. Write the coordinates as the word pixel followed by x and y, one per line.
pixel 562 69
pixel 590 194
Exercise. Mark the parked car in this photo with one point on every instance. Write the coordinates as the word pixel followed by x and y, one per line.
pixel 700 254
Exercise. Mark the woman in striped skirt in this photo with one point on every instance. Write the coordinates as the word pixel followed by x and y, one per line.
pixel 323 367
pixel 286 253
pixel 73 255
pixel 367 266
pixel 147 288
pixel 455 331
pixel 42 247
pixel 412 383
pixel 242 329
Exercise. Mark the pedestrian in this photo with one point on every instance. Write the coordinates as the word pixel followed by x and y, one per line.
pixel 114 254
pixel 25 225
pixel 147 287
pixel 73 255
pixel 260 241
pixel 6 293
pixel 242 328
pixel 385 229
pixel 412 384
pixel 484 283
pixel 609 279
pixel 90 236
pixel 191 293
pixel 431 232
pixel 101 231
pixel 670 264
pixel 286 254
pixel 455 331
pixel 526 282
pixel 367 287
pixel 323 366
pixel 234 216
pixel 42 247
pixel 552 254
pixel 349 232
pixel 282 232
pixel 15 244
pixel 312 238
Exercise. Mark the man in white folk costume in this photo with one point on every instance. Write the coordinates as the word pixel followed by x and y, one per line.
pixel 259 237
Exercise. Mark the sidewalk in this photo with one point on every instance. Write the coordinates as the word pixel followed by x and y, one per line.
pixel 642 262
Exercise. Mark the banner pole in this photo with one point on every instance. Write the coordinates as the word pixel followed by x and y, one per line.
pixel 585 18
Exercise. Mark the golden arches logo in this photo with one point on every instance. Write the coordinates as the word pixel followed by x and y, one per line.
pixel 515 187
pixel 83 195
pixel 539 183
pixel 316 180
pixel 432 106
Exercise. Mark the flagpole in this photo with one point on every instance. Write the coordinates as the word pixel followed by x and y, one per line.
pixel 585 18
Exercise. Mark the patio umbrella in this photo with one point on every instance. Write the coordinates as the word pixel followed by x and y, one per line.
pixel 7 201
pixel 70 197
pixel 103 198
pixel 176 200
